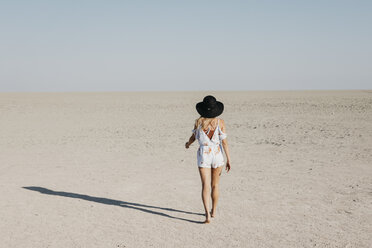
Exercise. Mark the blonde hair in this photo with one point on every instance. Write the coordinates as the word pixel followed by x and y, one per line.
pixel 205 122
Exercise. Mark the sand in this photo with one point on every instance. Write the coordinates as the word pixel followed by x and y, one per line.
pixel 111 170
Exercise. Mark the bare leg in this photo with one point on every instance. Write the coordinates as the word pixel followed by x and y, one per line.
pixel 205 175
pixel 216 173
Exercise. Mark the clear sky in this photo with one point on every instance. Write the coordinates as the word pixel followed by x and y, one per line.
pixel 75 45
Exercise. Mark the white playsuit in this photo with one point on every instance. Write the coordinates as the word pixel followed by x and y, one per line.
pixel 209 153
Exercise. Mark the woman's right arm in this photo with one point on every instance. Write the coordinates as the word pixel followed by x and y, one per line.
pixel 225 147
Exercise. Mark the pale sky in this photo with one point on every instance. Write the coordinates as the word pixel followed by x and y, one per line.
pixel 185 45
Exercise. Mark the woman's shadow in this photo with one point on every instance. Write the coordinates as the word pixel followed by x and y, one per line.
pixel 132 205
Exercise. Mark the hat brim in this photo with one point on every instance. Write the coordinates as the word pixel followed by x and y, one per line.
pixel 211 113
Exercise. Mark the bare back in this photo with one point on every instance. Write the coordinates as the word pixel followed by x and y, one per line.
pixel 209 124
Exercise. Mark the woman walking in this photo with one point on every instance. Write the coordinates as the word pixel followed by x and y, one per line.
pixel 210 132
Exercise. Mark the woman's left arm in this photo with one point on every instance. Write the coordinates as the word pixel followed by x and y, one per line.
pixel 191 140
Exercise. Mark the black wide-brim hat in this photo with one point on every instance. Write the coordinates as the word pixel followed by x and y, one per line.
pixel 209 107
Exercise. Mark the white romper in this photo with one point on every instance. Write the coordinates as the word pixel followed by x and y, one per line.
pixel 209 153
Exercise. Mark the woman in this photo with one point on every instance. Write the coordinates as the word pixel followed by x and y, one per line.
pixel 210 133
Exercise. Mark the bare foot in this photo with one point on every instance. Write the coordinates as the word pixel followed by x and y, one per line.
pixel 213 214
pixel 207 218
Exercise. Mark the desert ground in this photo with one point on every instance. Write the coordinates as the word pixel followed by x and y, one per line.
pixel 110 169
